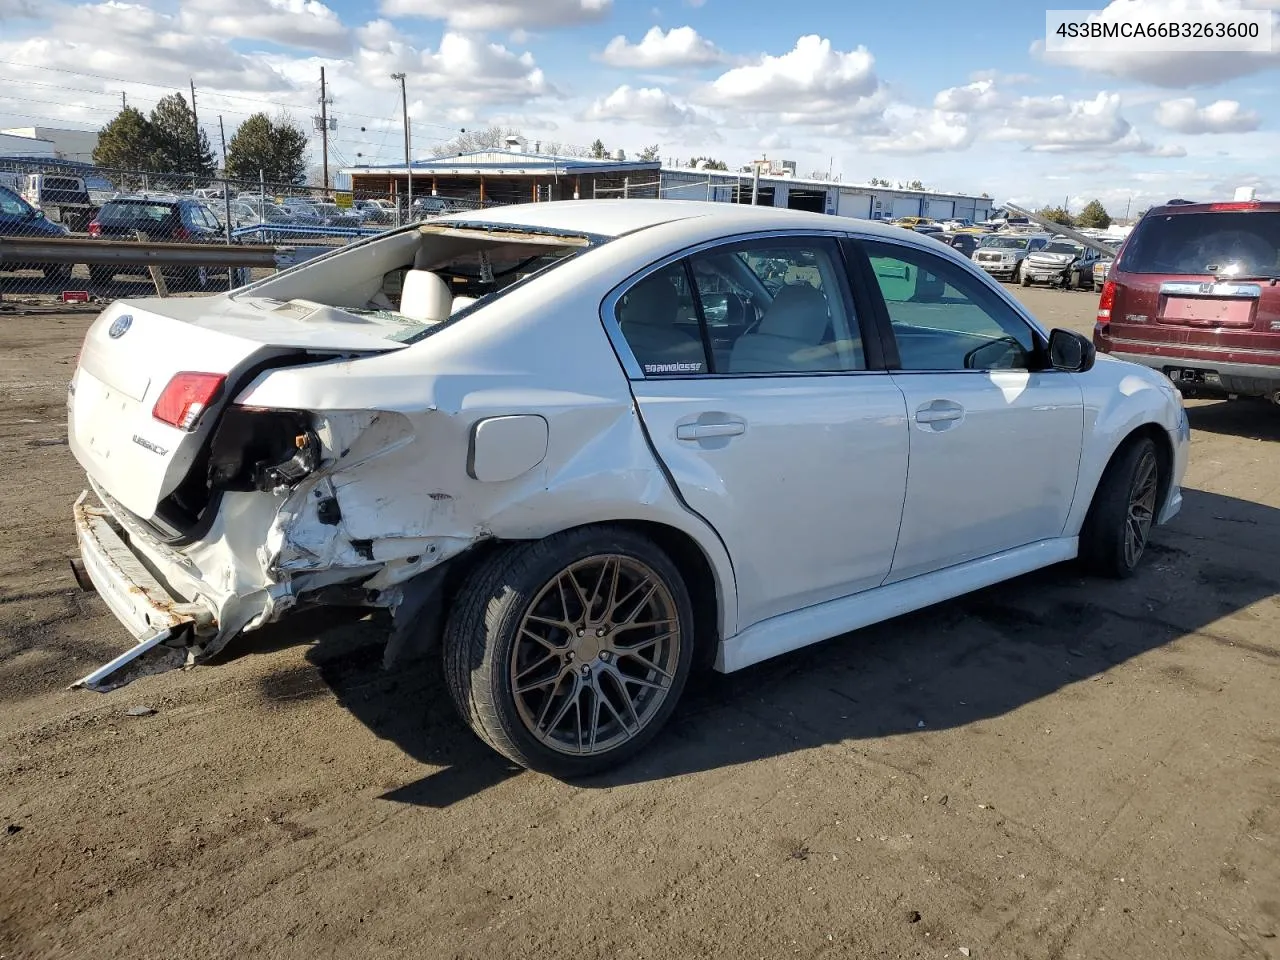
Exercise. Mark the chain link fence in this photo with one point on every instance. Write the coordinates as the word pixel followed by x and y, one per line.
pixel 152 228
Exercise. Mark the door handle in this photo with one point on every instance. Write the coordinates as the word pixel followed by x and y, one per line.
pixel 939 411
pixel 708 431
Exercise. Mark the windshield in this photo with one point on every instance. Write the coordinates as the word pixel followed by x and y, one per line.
pixel 1005 243
pixel 1200 244
pixel 1059 246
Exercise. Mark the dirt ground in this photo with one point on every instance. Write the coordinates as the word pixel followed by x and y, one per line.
pixel 1053 768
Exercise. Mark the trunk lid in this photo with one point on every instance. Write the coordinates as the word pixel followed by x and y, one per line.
pixel 134 349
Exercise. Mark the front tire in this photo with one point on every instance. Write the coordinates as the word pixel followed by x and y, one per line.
pixel 1118 525
pixel 567 655
pixel 1016 276
pixel 1026 280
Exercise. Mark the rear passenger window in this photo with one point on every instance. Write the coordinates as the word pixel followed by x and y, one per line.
pixel 778 307
pixel 660 324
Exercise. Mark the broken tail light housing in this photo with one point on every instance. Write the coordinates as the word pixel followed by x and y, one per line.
pixel 265 450
pixel 186 397
pixel 95 229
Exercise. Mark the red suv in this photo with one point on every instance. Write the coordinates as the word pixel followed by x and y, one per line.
pixel 1194 293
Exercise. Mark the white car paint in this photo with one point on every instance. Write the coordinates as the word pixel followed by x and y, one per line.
pixel 835 507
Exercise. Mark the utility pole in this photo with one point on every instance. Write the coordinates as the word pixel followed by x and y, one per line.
pixel 408 162
pixel 195 127
pixel 124 101
pixel 226 186
pixel 324 129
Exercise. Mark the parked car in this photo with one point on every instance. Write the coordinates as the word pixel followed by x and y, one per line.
pixel 1062 263
pixel 964 243
pixel 1001 255
pixel 912 222
pixel 1194 294
pixel 931 229
pixel 1101 269
pixel 957 223
pixel 375 211
pixel 62 198
pixel 586 449
pixel 334 216
pixel 251 212
pixel 425 207
pixel 180 220
pixel 19 219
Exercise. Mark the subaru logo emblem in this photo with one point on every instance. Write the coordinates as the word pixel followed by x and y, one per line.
pixel 120 327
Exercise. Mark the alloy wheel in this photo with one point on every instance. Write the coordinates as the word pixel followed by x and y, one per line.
pixel 1142 506
pixel 596 655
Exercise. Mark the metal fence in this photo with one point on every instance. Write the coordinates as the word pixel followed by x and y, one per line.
pixel 130 225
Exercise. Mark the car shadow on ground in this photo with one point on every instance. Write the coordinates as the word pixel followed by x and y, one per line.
pixel 1250 419
pixel 957 663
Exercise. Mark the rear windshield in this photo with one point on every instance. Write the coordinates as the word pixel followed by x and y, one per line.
pixel 1005 243
pixel 1203 244
pixel 115 212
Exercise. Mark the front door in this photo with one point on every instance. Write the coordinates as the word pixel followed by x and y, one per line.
pixel 995 439
pixel 757 397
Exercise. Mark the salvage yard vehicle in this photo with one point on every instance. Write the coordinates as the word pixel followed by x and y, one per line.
pixel 63 199
pixel 19 219
pixel 1194 294
pixel 161 220
pixel 1060 262
pixel 585 448
pixel 1001 255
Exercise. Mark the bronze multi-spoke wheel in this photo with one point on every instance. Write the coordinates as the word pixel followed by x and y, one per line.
pixel 568 654
pixel 1118 525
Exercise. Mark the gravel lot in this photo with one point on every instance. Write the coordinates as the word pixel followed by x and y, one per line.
pixel 1055 768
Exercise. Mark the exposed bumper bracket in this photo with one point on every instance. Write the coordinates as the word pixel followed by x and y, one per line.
pixel 96 679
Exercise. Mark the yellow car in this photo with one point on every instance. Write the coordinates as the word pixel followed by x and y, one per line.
pixel 912 222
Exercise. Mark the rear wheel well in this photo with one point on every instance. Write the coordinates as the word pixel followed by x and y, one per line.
pixel 694 567
pixel 699 580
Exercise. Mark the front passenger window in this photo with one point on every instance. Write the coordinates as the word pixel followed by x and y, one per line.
pixel 942 317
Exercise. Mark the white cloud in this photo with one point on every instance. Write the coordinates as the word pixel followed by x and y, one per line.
pixel 1221 116
pixel 464 69
pixel 645 105
pixel 307 24
pixel 118 39
pixel 1171 69
pixel 911 130
pixel 810 84
pixel 19 9
pixel 1058 124
pixel 677 47
pixel 978 95
pixel 500 14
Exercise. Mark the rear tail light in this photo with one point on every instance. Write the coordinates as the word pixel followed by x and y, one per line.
pixel 186 397
pixel 95 229
pixel 1105 303
pixel 182 233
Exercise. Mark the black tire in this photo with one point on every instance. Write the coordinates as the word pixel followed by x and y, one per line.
pixel 1016 276
pixel 486 620
pixel 101 276
pixel 1104 543
pixel 1026 281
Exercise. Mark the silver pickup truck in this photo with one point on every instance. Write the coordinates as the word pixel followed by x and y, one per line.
pixel 1001 254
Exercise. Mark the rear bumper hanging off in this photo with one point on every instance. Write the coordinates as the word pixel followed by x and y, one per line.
pixel 137 598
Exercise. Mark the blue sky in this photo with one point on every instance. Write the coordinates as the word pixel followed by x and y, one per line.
pixel 958 96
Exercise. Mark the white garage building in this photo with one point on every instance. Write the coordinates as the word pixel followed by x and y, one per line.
pixel 822 196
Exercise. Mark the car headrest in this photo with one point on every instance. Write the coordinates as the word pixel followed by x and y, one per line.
pixel 651 302
pixel 798 312
pixel 425 297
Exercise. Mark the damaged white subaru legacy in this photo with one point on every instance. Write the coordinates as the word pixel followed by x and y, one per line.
pixel 587 447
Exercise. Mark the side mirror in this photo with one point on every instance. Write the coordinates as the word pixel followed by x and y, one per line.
pixel 1071 351
pixel 37 214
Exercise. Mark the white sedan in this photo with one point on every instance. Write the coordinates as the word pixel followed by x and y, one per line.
pixel 588 447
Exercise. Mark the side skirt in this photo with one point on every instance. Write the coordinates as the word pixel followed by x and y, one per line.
pixel 791 631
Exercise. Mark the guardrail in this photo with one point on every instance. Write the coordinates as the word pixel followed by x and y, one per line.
pixel 140 254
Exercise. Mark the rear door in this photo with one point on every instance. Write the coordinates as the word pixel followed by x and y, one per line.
pixel 773 417
pixel 1198 284
pixel 995 441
